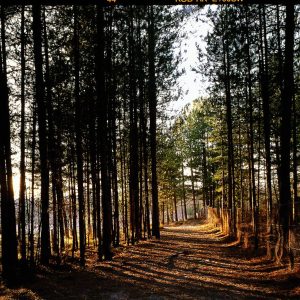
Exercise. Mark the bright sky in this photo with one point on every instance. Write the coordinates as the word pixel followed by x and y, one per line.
pixel 192 84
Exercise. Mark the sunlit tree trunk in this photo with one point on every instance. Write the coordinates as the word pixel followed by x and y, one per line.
pixel 193 191
pixel 183 191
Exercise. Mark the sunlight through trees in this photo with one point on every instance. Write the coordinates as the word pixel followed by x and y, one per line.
pixel 100 163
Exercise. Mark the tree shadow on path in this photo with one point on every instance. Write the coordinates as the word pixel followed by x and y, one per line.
pixel 189 262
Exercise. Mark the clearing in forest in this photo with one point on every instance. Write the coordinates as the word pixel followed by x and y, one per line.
pixel 191 261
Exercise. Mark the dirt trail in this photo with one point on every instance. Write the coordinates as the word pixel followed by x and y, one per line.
pixel 189 262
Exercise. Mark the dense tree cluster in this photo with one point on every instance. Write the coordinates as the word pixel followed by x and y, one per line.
pixel 243 139
pixel 83 93
pixel 81 90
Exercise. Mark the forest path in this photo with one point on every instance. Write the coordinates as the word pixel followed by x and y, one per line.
pixel 190 261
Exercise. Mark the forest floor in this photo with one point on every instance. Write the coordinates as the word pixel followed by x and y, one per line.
pixel 190 261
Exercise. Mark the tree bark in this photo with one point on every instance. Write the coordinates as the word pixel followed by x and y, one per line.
pixel 266 113
pixel 285 128
pixel 183 191
pixel 43 141
pixel 251 139
pixel 22 138
pixel 103 135
pixel 78 138
pixel 230 154
pixel 152 111
pixel 8 218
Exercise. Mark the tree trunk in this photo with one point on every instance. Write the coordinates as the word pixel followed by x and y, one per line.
pixel 43 142
pixel 8 218
pixel 294 212
pixel 22 138
pixel 266 114
pixel 285 128
pixel 183 191
pixel 133 139
pixel 193 192
pixel 251 140
pixel 54 151
pixel 206 198
pixel 175 204
pixel 79 154
pixel 230 154
pixel 152 111
pixel 32 186
pixel 103 135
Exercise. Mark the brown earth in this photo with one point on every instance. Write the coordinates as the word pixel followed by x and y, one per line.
pixel 191 261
